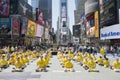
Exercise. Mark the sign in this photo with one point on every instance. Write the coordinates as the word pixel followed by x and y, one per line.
pixel 24 25
pixel 39 32
pixel 15 23
pixel 13 7
pixel 24 8
pixel 76 40
pixel 46 33
pixel 110 32
pixel 5 27
pixel 31 30
pixel 76 30
pixel 4 8
pixel 96 24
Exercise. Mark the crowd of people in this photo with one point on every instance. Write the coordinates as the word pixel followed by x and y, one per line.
pixel 20 58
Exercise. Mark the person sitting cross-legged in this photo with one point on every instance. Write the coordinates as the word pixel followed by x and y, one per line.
pixel 116 65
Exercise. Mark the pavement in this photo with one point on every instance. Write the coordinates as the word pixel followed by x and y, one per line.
pixel 56 72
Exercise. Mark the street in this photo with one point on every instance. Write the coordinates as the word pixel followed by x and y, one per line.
pixel 56 72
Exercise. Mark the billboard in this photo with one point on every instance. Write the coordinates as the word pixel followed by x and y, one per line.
pixel 46 33
pixel 39 31
pixel 96 24
pixel 24 25
pixel 25 9
pixel 39 16
pixel 108 12
pixel 110 32
pixel 64 9
pixel 90 26
pixel 4 8
pixel 31 30
pixel 13 6
pixel 76 30
pixel 5 27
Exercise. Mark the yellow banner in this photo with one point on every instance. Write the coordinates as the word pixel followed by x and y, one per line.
pixel 31 30
pixel 96 24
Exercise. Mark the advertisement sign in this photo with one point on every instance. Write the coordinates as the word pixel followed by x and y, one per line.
pixel 40 17
pixel 13 6
pixel 39 32
pixel 90 26
pixel 96 24
pixel 110 32
pixel 108 12
pixel 5 27
pixel 46 33
pixel 31 30
pixel 24 25
pixel 4 8
pixel 76 30
pixel 15 23
pixel 25 9
pixel 64 9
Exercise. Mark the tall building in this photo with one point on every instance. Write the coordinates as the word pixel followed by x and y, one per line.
pixel 79 10
pixel 46 7
pixel 63 21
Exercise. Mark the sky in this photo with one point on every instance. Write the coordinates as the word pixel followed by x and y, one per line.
pixel 56 13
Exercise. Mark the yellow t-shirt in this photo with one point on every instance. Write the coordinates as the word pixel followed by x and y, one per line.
pixel 3 62
pixel 91 64
pixel 41 63
pixel 116 65
pixel 18 64
pixel 79 58
pixel 100 61
pixel 106 63
pixel 68 64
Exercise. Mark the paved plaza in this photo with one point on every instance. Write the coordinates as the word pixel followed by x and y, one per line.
pixel 56 72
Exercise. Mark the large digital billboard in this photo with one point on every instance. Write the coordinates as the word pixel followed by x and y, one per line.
pixel 40 30
pixel 15 23
pixel 64 9
pixel 24 25
pixel 31 30
pixel 4 8
pixel 108 12
pixel 76 30
pixel 25 9
pixel 5 27
pixel 13 6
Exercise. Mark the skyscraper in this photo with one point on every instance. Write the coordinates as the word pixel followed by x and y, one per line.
pixel 63 29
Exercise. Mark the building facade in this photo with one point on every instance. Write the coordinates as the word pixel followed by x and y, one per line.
pixel 46 7
pixel 79 10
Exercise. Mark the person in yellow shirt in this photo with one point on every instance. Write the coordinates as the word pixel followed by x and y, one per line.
pixel 41 65
pixel 80 59
pixel 68 66
pixel 102 51
pixel 3 62
pixel 18 65
pixel 100 61
pixel 116 65
pixel 92 66
pixel 85 64
pixel 106 62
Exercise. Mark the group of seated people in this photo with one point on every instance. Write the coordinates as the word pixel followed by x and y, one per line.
pixel 19 60
pixel 87 61
pixel 65 61
pixel 43 62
